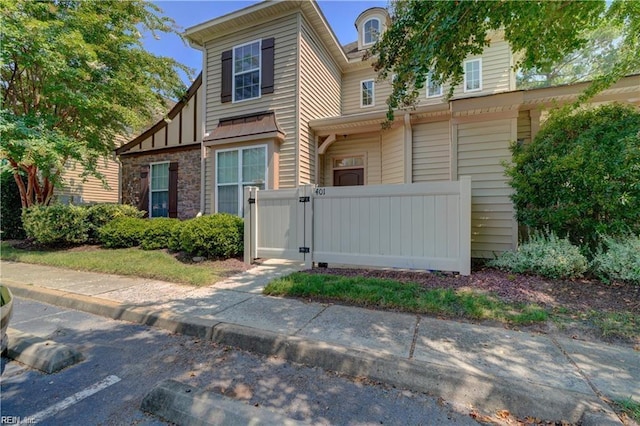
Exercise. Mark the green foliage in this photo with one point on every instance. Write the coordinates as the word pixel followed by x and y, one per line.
pixel 580 177
pixel 436 37
pixel 123 232
pixel 56 225
pixel 621 260
pixel 99 215
pixel 10 208
pixel 544 255
pixel 75 75
pixel 160 234
pixel 217 236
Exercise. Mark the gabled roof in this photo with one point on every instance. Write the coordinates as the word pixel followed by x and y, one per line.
pixel 163 122
pixel 244 18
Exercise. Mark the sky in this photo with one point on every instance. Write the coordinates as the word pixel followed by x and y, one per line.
pixel 187 13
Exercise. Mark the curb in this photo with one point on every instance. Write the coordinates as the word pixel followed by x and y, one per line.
pixel 487 392
pixel 42 354
pixel 185 405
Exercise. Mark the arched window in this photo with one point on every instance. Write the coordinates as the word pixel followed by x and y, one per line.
pixel 371 31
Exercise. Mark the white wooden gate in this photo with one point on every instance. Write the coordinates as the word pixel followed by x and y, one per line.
pixel 416 226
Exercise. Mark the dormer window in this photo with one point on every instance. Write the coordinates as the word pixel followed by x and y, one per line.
pixel 371 31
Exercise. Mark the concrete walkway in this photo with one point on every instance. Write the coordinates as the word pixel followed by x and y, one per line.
pixel 485 368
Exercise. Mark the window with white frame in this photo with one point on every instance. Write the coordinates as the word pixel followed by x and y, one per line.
pixel 246 71
pixel 434 89
pixel 237 168
pixel 367 96
pixel 159 190
pixel 473 75
pixel 371 31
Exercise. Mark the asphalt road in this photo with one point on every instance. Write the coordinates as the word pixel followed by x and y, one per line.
pixel 123 361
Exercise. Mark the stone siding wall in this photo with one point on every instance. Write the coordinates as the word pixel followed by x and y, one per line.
pixel 188 178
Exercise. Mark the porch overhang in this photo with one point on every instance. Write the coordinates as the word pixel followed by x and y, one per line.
pixel 246 128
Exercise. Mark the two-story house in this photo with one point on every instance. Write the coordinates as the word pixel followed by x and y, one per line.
pixel 281 103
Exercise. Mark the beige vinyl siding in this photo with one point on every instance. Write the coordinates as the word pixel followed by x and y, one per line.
pixel 91 191
pixel 431 151
pixel 351 92
pixel 283 100
pixel 496 77
pixel 393 155
pixel 319 96
pixel 367 145
pixel 481 147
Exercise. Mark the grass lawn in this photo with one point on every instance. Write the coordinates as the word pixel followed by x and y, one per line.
pixel 406 297
pixel 630 408
pixel 135 262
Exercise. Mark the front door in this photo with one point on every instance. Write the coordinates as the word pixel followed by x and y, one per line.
pixel 348 177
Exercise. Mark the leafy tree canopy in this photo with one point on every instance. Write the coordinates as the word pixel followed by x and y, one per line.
pixel 74 76
pixel 437 36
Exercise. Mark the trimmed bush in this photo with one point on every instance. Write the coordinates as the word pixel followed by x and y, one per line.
pixel 159 233
pixel 544 255
pixel 621 260
pixel 123 232
pixel 56 225
pixel 174 243
pixel 10 208
pixel 217 236
pixel 580 176
pixel 99 215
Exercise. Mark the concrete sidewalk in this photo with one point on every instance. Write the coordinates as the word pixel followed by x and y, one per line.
pixel 483 367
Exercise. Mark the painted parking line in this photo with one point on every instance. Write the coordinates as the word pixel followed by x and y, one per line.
pixel 73 399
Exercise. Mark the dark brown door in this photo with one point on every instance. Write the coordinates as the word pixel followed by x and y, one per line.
pixel 349 177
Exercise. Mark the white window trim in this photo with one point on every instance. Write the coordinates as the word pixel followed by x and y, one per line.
pixel 233 71
pixel 439 94
pixel 373 93
pixel 240 184
pixel 364 26
pixel 479 60
pixel 151 191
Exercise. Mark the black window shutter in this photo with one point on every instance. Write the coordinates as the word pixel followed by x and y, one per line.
pixel 143 204
pixel 173 189
pixel 267 65
pixel 227 76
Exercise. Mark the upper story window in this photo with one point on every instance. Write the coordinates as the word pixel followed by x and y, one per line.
pixel 433 89
pixel 246 71
pixel 371 31
pixel 473 75
pixel 367 96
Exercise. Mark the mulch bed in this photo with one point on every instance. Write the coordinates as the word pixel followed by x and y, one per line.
pixel 580 294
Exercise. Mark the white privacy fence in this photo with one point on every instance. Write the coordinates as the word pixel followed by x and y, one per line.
pixel 416 226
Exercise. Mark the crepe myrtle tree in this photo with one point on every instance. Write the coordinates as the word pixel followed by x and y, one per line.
pixel 74 76
pixel 435 37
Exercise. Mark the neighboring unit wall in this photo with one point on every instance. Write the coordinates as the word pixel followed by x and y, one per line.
pixel 188 177
pixel 393 155
pixel 92 190
pixel 283 100
pixel 482 145
pixel 431 151
pixel 319 96
pixel 497 77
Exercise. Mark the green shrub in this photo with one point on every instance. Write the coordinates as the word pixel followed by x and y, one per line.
pixel 580 176
pixel 159 233
pixel 545 255
pixel 621 260
pixel 218 236
pixel 174 243
pixel 10 208
pixel 56 225
pixel 123 232
pixel 99 215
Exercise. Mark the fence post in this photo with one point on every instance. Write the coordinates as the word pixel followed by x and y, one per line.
pixel 250 224
pixel 465 225
pixel 307 191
